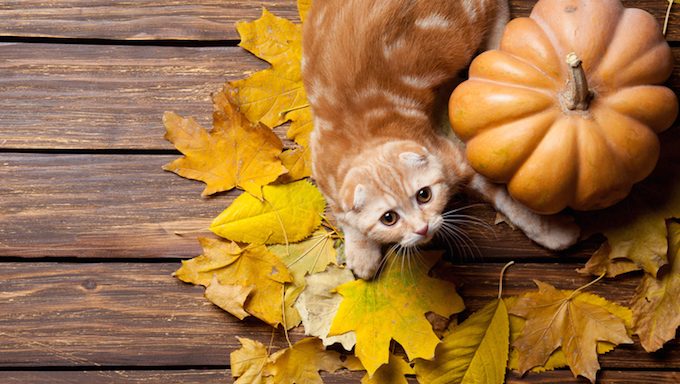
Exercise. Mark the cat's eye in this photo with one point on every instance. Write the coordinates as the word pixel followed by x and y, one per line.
pixel 424 195
pixel 389 218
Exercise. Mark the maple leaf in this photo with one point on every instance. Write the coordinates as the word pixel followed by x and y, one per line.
pixel 301 126
pixel 557 359
pixel 267 95
pixel 253 266
pixel 318 304
pixel 248 362
pixel 298 162
pixel 287 213
pixel 310 256
pixel 476 351
pixel 230 297
pixel 276 95
pixel 572 320
pixel 656 305
pixel 302 362
pixel 235 153
pixel 391 373
pixel 394 307
pixel 303 8
pixel 636 228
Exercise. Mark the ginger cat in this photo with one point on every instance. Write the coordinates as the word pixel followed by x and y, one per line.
pixel 372 69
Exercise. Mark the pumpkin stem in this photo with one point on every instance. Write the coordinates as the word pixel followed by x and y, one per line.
pixel 578 95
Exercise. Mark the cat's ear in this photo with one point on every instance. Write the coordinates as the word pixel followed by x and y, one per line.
pixel 412 159
pixel 359 197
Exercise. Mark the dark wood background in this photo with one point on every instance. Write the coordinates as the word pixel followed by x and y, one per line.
pixel 88 219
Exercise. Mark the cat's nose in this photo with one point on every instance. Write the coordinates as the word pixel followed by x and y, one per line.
pixel 423 231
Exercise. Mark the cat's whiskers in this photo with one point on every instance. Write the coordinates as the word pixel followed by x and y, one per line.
pixel 391 253
pixel 463 241
pixel 463 208
pixel 454 241
pixel 467 219
pixel 467 239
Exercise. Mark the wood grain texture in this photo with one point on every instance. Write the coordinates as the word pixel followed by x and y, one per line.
pixel 136 314
pixel 182 20
pixel 199 376
pixel 204 376
pixel 138 20
pixel 100 206
pixel 341 377
pixel 605 377
pixel 127 206
pixel 107 97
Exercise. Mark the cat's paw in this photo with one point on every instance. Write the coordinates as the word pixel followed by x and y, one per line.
pixel 362 267
pixel 556 232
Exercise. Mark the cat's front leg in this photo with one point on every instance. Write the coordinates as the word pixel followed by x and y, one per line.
pixel 362 254
pixel 554 232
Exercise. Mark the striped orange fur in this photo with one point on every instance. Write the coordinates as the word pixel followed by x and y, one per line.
pixel 372 69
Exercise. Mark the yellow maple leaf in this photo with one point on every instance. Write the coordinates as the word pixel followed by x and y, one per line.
pixel 393 372
pixel 298 162
pixel 229 297
pixel 235 153
pixel 301 126
pixel 635 228
pixel 302 362
pixel 245 267
pixel 307 257
pixel 248 362
pixel 475 351
pixel 303 8
pixel 572 320
pixel 267 95
pixel 656 305
pixel 394 307
pixel 276 95
pixel 288 213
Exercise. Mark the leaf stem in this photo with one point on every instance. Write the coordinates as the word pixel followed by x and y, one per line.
pixel 500 280
pixel 293 109
pixel 192 232
pixel 283 315
pixel 578 290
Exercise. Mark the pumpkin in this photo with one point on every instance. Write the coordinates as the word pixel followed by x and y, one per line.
pixel 567 110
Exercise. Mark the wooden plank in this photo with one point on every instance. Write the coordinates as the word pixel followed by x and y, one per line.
pixel 604 377
pixel 99 206
pixel 220 376
pixel 55 96
pixel 206 376
pixel 113 314
pixel 136 314
pixel 107 97
pixel 196 20
pixel 138 20
pixel 127 206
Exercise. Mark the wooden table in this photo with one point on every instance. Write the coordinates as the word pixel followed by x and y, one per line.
pixel 88 219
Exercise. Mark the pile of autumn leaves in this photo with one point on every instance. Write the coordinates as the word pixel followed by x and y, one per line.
pixel 277 258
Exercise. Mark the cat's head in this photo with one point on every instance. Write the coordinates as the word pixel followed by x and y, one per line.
pixel 397 194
